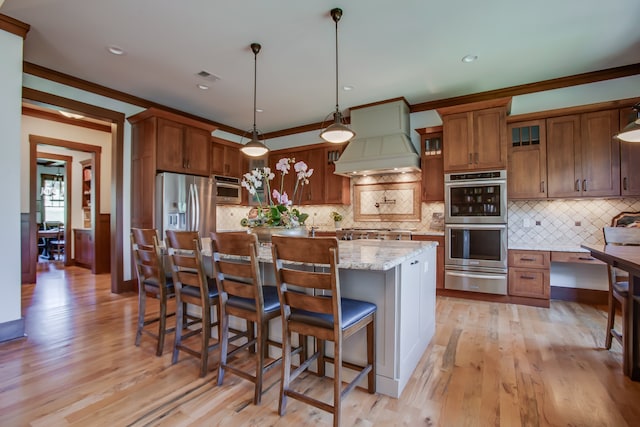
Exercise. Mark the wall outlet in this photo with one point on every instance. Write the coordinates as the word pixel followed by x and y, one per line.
pixel 538 222
pixel 578 223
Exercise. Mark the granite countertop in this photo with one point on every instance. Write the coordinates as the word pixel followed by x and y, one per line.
pixel 378 255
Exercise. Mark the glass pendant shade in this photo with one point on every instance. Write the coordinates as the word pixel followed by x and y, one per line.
pixel 631 132
pixel 337 132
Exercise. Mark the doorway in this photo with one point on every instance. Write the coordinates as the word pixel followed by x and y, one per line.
pixel 114 251
pixel 98 230
pixel 53 197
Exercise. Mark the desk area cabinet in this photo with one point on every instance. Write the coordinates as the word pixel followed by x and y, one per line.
pixel 82 247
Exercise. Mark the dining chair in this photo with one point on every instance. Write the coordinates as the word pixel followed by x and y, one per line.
pixel 319 312
pixel 192 287
pixel 242 295
pixel 618 285
pixel 57 244
pixel 152 281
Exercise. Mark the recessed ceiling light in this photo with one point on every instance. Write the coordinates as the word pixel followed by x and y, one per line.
pixel 71 115
pixel 115 50
pixel 202 87
pixel 469 58
pixel 347 88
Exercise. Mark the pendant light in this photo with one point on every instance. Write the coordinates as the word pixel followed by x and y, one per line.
pixel 255 148
pixel 631 132
pixel 337 132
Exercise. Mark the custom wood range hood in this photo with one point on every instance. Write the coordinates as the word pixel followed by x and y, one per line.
pixel 382 143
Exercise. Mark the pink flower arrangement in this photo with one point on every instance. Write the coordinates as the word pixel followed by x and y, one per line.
pixel 279 211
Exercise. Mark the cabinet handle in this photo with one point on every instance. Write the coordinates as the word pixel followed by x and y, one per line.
pixel 527 259
pixel 584 185
pixel 527 277
pixel 542 186
pixel 624 183
pixel 414 262
pixel 577 186
pixel 586 258
pixel 477 157
pixel 470 158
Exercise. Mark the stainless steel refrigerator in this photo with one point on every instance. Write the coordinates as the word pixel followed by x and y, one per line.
pixel 185 202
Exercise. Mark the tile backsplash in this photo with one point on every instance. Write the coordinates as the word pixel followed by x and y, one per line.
pixel 564 222
pixel 228 217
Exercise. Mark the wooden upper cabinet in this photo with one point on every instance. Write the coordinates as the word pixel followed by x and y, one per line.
pixel 629 158
pixel 475 137
pixel 583 158
pixel 313 192
pixel 226 159
pixel 527 160
pixel 458 141
pixel 336 187
pixel 432 164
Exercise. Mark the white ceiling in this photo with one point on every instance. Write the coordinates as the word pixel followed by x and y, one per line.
pixel 409 48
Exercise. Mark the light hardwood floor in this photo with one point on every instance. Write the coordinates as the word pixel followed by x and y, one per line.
pixel 488 365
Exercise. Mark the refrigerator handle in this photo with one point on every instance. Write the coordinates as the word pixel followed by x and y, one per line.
pixel 191 225
pixel 196 205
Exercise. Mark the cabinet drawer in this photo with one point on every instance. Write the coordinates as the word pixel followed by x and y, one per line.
pixel 580 257
pixel 529 259
pixel 528 282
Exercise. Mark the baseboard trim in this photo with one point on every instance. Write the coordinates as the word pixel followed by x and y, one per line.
pixel 585 296
pixel 12 329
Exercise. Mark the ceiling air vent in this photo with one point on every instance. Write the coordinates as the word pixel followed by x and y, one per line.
pixel 208 76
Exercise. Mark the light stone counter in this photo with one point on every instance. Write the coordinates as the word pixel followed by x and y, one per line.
pixel 545 247
pixel 369 254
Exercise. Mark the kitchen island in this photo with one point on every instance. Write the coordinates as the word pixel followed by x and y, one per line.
pixel 397 276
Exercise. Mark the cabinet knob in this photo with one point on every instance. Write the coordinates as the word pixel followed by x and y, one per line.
pixel 577 186
pixel 584 185
pixel 542 186
pixel 624 183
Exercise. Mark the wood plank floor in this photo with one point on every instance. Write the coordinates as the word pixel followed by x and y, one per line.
pixel 488 365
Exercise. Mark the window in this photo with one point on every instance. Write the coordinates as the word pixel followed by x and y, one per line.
pixel 52 193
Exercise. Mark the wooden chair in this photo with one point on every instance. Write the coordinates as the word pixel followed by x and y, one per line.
pixel 192 287
pixel 321 313
pixel 152 281
pixel 57 244
pixel 619 286
pixel 243 295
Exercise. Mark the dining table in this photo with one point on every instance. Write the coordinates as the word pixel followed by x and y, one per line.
pixel 626 258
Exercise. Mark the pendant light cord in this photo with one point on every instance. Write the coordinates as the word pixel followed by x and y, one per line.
pixel 336 18
pixel 255 82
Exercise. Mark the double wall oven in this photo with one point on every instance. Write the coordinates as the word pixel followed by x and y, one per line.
pixel 476 231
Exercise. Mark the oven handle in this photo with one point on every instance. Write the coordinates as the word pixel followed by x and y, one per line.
pixel 476 182
pixel 476 276
pixel 478 226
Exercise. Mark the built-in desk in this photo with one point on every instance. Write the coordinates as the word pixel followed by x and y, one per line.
pixel 626 258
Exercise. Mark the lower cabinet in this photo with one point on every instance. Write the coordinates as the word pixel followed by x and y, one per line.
pixel 439 256
pixel 83 247
pixel 529 274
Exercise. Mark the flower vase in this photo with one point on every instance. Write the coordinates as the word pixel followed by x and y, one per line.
pixel 338 224
pixel 265 232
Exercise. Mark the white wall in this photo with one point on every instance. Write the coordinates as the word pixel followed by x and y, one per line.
pixel 10 111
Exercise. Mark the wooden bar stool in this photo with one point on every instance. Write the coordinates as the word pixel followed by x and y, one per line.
pixel 619 289
pixel 152 281
pixel 322 313
pixel 192 287
pixel 243 295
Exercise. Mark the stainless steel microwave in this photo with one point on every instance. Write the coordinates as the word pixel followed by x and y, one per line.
pixel 228 190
